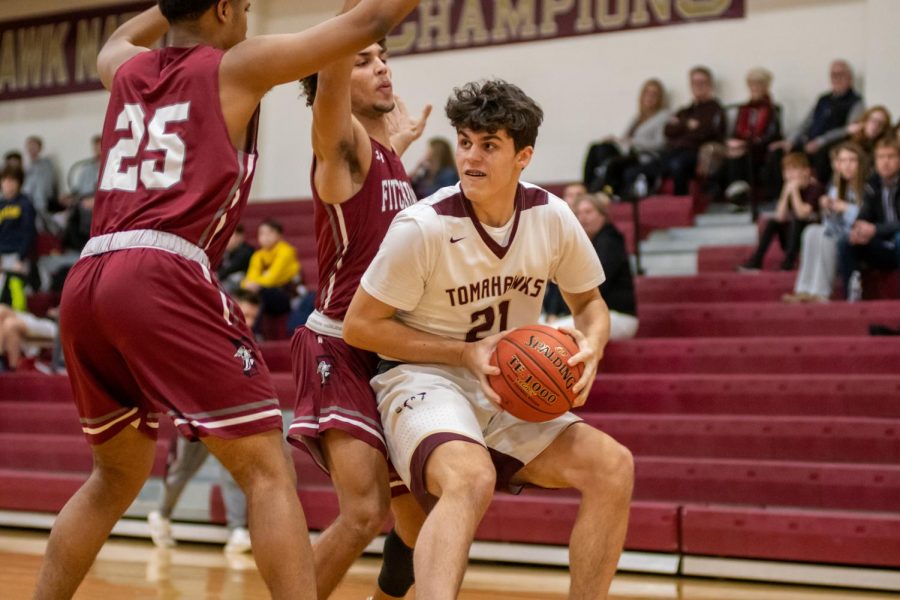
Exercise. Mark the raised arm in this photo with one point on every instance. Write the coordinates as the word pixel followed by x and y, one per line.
pixel 264 61
pixel 131 38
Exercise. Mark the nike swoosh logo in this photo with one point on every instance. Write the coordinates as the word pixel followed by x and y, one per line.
pixel 454 240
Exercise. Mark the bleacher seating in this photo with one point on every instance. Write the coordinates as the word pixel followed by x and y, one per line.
pixel 759 429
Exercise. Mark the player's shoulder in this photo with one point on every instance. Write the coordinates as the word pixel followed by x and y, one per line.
pixel 545 204
pixel 446 202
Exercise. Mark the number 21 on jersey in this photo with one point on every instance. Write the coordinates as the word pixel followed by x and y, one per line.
pixel 148 171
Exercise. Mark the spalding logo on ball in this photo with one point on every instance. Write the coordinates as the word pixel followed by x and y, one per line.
pixel 535 381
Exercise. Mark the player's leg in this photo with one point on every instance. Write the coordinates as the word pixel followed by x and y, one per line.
pixel 277 525
pixel 121 465
pixel 13 329
pixel 359 473
pixel 590 461
pixel 185 459
pixel 397 575
pixel 461 475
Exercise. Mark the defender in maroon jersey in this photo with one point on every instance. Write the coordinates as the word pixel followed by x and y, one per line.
pixel 146 326
pixel 359 184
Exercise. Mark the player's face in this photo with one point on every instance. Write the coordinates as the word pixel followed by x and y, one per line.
pixel 488 163
pixel 371 90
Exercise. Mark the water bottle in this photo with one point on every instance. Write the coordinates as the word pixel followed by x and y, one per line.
pixel 854 291
pixel 640 186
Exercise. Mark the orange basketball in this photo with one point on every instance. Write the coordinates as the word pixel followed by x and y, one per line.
pixel 535 381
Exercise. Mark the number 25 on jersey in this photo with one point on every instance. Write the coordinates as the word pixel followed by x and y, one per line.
pixel 148 171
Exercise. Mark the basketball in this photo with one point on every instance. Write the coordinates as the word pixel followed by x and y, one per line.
pixel 535 381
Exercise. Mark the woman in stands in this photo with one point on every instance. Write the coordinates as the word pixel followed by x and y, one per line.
pixel 436 170
pixel 757 125
pixel 871 126
pixel 839 208
pixel 613 163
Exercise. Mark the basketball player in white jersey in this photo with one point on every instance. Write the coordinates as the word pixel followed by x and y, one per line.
pixel 359 131
pixel 453 271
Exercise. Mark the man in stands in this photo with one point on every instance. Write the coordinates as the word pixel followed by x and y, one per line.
pixel 145 326
pixel 824 125
pixel 701 121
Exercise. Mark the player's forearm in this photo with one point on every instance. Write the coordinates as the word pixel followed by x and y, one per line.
pixel 592 320
pixel 390 337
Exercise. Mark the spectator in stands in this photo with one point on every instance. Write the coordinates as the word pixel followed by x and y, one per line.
pixel 17 236
pixel 757 125
pixel 18 328
pixel 185 460
pixel 273 269
pixel 84 175
pixel 13 158
pixel 235 261
pixel 824 125
pixel 700 122
pixel 839 209
pixel 797 206
pixel 436 170
pixel 897 131
pixel 611 163
pixel 41 185
pixel 592 211
pixel 874 239
pixel 873 125
pixel 572 192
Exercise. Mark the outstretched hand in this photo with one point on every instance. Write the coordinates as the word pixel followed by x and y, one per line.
pixel 402 128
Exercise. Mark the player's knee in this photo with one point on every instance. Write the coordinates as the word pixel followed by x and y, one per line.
pixel 366 515
pixel 475 480
pixel 397 574
pixel 610 468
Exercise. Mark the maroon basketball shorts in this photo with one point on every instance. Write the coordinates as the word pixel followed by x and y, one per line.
pixel 147 331
pixel 333 392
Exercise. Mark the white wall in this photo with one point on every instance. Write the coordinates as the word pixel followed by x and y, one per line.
pixel 587 86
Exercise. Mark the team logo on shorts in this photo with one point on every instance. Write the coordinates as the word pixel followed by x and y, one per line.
pixel 245 355
pixel 324 368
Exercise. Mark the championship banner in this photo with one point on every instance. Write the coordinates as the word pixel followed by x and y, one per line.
pixel 438 25
pixel 57 54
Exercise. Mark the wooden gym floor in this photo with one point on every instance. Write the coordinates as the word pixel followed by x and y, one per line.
pixel 134 569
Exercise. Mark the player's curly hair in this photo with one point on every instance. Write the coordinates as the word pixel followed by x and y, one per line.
pixel 310 83
pixel 493 105
pixel 184 10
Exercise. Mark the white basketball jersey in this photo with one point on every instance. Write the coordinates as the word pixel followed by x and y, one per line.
pixel 446 274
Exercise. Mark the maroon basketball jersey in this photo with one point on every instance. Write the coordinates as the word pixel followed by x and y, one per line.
pixel 348 234
pixel 168 161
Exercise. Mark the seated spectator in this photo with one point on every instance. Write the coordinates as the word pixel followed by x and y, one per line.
pixel 874 239
pixel 618 289
pixel 700 122
pixel 13 158
pixel 897 131
pixel 797 206
pixel 273 269
pixel 572 192
pixel 235 261
pixel 839 209
pixel 874 124
pixel 757 125
pixel 84 175
pixel 19 328
pixel 17 236
pixel 611 163
pixel 436 170
pixel 824 125
pixel 249 303
pixel 41 185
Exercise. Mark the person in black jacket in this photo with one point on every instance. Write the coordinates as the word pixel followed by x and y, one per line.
pixel 235 261
pixel 875 237
pixel 618 289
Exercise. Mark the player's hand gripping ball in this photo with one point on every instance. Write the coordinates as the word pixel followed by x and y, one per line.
pixel 535 381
